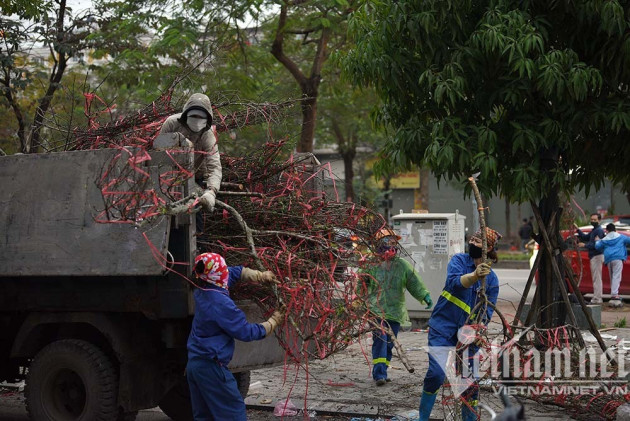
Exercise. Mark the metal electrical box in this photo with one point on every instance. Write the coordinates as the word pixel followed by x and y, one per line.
pixel 430 239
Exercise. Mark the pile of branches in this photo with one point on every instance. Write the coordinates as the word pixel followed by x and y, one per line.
pixel 279 219
pixel 271 214
pixel 585 383
pixel 600 399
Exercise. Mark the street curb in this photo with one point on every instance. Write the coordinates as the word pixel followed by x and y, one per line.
pixel 511 264
pixel 324 408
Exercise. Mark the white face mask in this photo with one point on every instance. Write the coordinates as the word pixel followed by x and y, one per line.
pixel 196 124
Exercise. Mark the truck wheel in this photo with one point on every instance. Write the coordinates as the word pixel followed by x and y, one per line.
pixel 176 403
pixel 71 380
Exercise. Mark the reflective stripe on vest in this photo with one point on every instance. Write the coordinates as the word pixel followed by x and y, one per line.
pixel 453 299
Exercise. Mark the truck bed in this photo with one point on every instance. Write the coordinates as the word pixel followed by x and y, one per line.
pixel 48 203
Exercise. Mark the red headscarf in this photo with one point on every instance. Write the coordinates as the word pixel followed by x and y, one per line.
pixel 492 236
pixel 215 270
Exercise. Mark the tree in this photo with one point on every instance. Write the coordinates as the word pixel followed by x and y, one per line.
pixel 531 94
pixel 63 34
pixel 298 34
pixel 346 122
pixel 316 22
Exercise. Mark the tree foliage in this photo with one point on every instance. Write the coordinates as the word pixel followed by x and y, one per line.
pixel 55 35
pixel 531 94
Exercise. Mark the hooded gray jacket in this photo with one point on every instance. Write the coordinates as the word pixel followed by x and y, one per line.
pixel 207 162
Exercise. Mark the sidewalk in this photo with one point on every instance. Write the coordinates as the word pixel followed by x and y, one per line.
pixel 343 384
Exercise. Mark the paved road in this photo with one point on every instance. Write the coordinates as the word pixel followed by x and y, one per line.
pixel 512 283
pixel 12 408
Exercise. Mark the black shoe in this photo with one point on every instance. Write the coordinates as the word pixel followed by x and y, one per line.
pixel 381 382
pixel 388 380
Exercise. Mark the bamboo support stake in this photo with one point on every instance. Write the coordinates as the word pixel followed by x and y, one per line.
pixel 482 222
pixel 594 330
pixel 556 269
pixel 530 279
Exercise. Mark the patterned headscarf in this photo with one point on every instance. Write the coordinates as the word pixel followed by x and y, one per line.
pixel 215 271
pixel 492 236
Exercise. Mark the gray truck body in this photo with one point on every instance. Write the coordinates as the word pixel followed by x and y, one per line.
pixel 65 276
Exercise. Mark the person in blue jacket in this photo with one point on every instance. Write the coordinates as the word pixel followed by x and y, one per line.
pixel 457 300
pixel 615 253
pixel 596 257
pixel 217 322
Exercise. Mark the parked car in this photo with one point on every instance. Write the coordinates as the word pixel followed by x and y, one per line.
pixel 578 257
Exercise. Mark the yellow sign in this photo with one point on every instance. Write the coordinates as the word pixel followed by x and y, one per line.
pixel 406 180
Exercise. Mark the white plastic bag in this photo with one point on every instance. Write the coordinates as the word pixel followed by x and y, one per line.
pixel 285 408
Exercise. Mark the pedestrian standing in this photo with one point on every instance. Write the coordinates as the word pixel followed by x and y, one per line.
pixel 383 288
pixel 525 233
pixel 217 322
pixel 596 257
pixel 615 253
pixel 458 298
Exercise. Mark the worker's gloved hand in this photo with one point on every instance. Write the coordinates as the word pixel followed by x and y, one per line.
pixel 257 276
pixel 274 321
pixel 268 277
pixel 207 200
pixel 469 279
pixel 483 269
pixel 428 301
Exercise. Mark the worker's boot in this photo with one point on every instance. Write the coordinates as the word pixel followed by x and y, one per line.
pixel 469 412
pixel 426 405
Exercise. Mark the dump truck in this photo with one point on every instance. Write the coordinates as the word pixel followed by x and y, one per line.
pixel 93 321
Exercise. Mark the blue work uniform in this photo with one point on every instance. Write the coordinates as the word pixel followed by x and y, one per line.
pixel 217 322
pixel 451 311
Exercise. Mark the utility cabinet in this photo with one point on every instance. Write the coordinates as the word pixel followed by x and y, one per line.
pixel 430 240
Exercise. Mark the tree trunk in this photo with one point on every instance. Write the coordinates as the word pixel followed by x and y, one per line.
pixel 423 190
pixel 308 85
pixel 386 207
pixel 309 114
pixel 59 68
pixel 348 150
pixel 549 314
pixel 508 224
pixel 348 161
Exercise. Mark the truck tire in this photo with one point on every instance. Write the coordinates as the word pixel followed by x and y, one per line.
pixel 71 380
pixel 176 403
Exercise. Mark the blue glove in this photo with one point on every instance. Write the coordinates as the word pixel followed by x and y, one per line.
pixel 428 301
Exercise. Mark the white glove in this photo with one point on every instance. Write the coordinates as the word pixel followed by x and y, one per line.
pixel 207 200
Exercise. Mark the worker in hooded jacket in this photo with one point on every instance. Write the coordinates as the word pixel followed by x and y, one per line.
pixel 195 123
pixel 452 311
pixel 383 288
pixel 217 322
